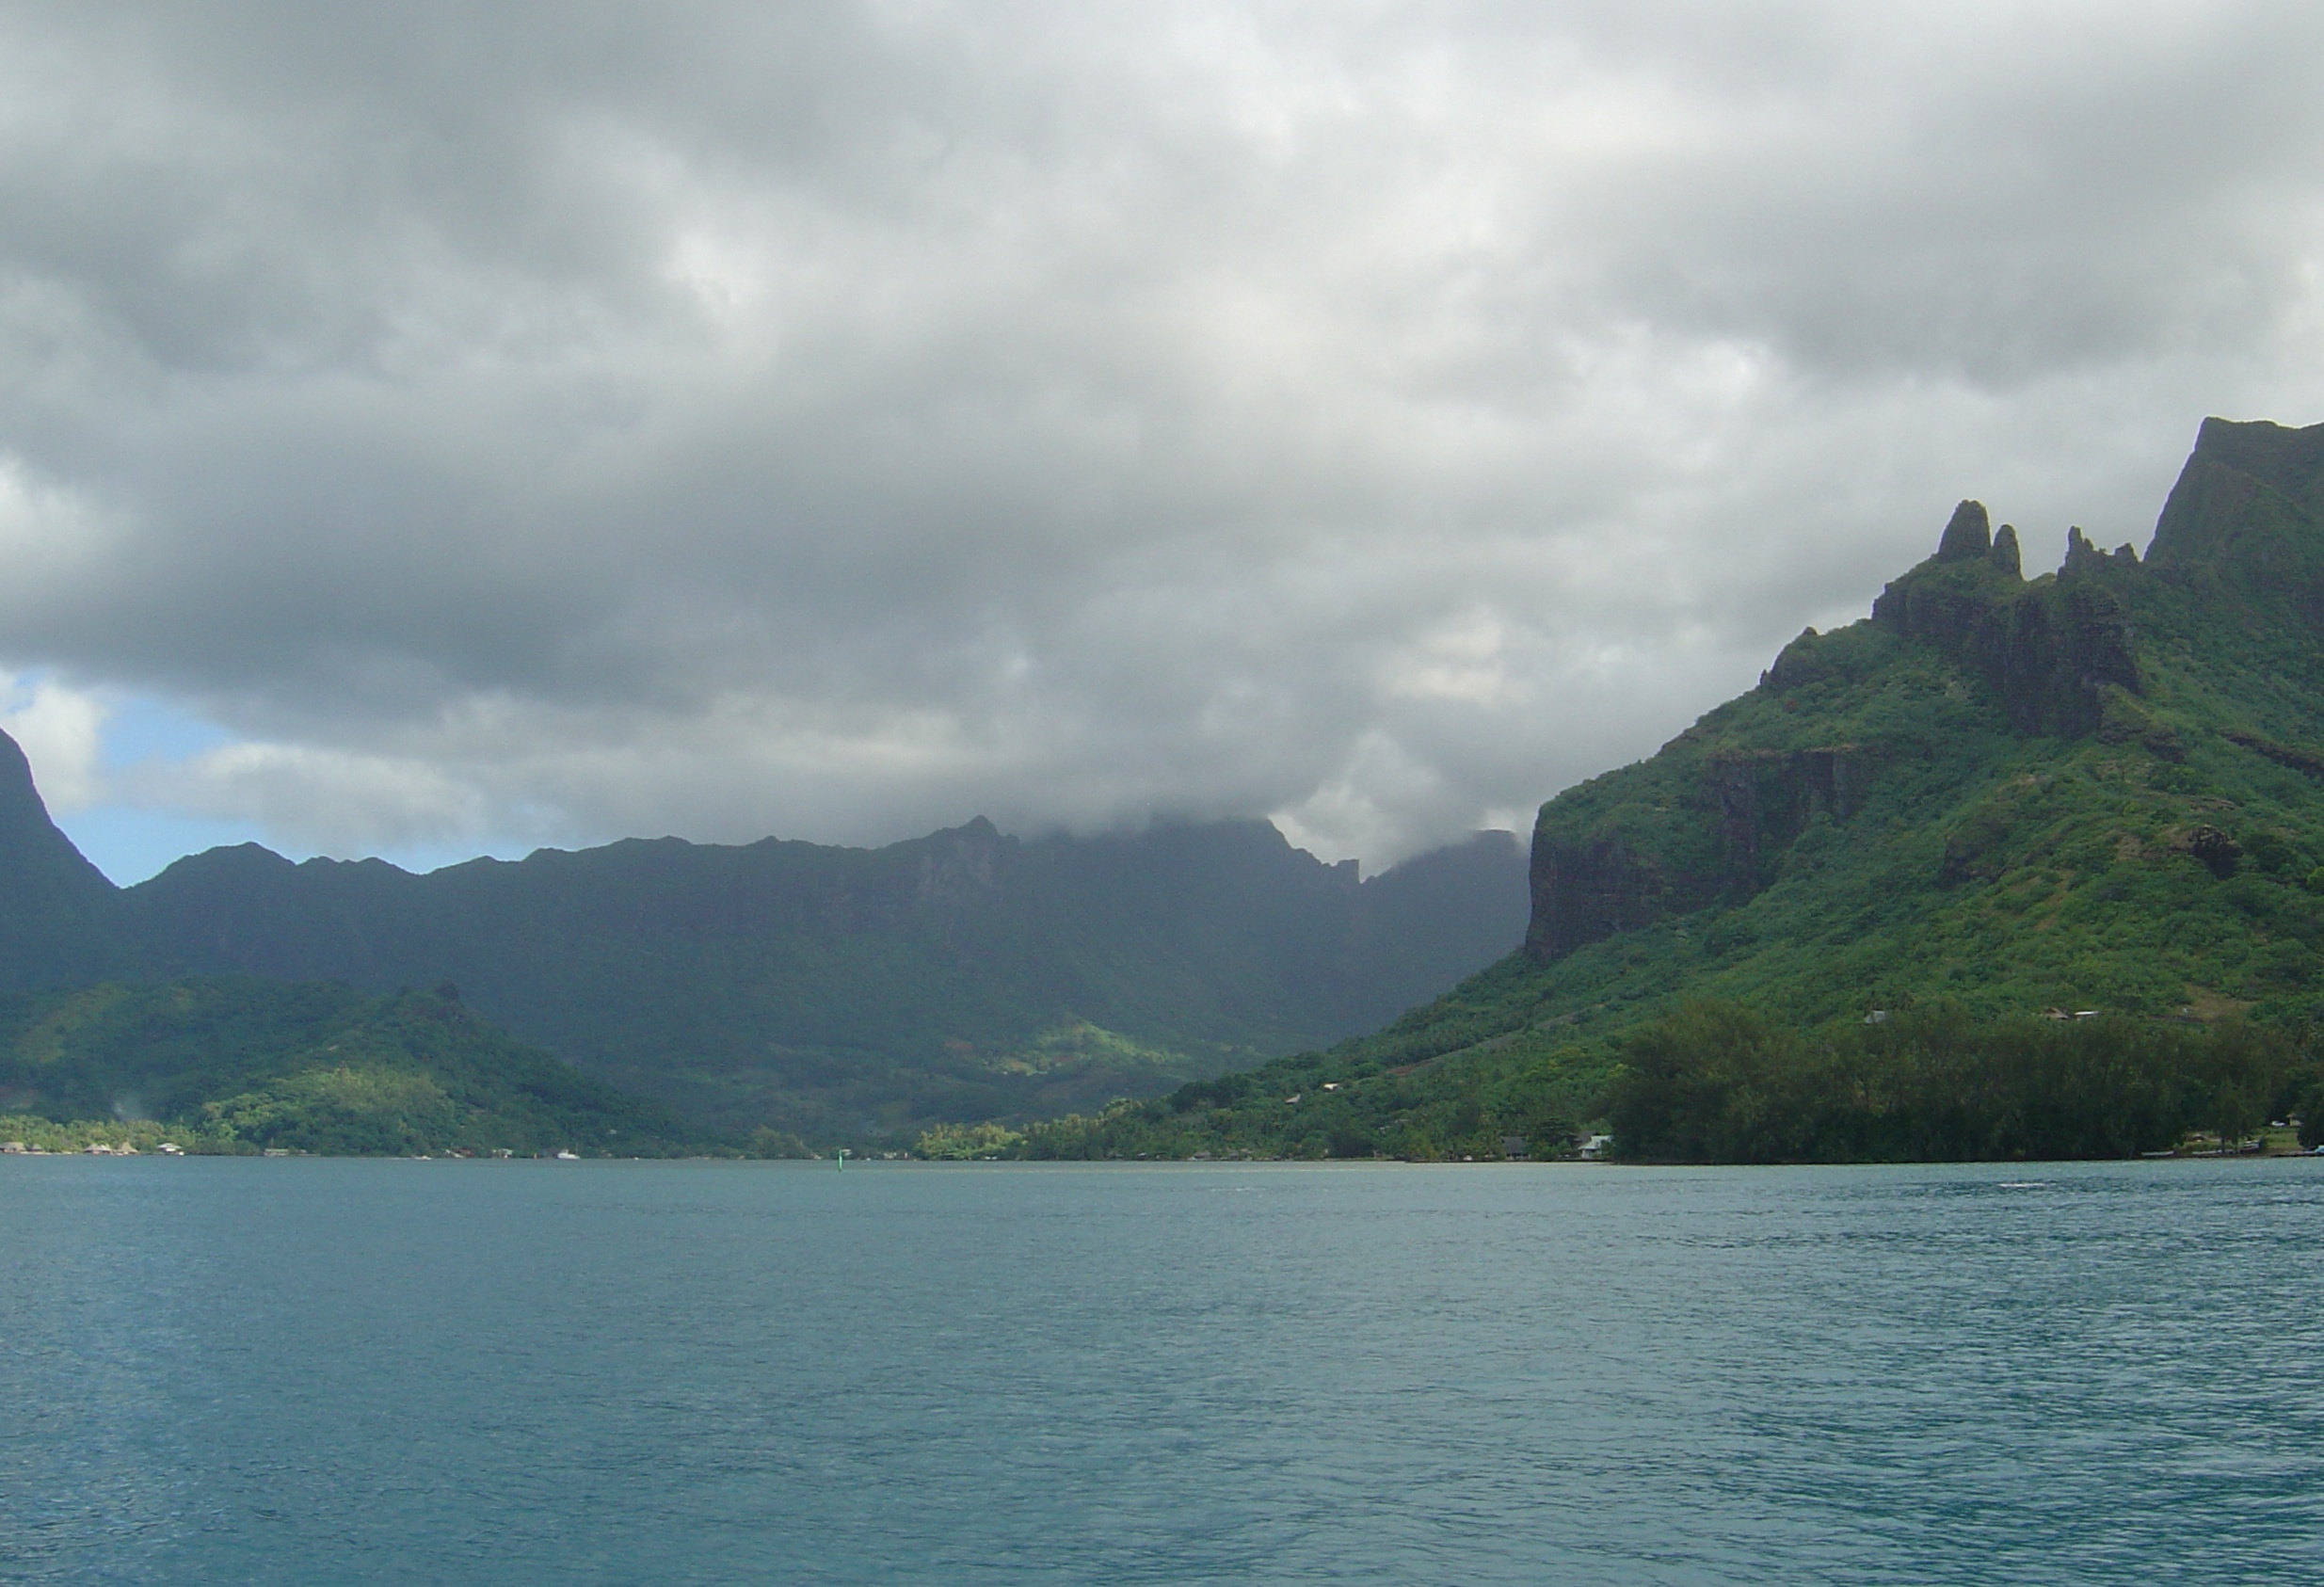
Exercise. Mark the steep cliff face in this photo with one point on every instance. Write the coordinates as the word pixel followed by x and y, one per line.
pixel 1766 799
pixel 2050 648
pixel 1588 891
pixel 2241 486
pixel 1731 827
pixel 2245 521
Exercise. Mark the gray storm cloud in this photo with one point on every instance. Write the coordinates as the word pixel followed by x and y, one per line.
pixel 545 422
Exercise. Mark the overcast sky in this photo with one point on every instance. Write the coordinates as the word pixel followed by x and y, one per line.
pixel 427 429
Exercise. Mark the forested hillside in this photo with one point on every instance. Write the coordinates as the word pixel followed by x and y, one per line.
pixel 1997 804
pixel 243 1065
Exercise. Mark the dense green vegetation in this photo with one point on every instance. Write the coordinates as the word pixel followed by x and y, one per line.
pixel 2099 791
pixel 1715 1082
pixel 243 1065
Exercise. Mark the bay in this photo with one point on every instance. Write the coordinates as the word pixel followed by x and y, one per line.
pixel 338 1371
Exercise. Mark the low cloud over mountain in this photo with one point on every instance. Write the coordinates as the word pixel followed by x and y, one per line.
pixel 518 423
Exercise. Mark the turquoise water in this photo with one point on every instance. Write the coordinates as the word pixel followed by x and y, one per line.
pixel 318 1371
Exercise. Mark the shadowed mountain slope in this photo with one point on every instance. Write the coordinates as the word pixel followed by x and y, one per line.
pixel 58 914
pixel 825 990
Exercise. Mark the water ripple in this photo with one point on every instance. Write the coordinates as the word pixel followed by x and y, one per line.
pixel 311 1371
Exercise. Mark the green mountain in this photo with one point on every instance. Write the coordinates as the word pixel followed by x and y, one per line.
pixel 1926 843
pixel 244 1064
pixel 831 992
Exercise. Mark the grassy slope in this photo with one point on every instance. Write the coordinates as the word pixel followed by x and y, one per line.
pixel 243 1065
pixel 2009 871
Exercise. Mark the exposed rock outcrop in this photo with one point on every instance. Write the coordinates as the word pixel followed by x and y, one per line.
pixel 2214 850
pixel 1760 802
pixel 2004 555
pixel 1765 798
pixel 1584 892
pixel 2049 648
pixel 1968 534
pixel 2306 762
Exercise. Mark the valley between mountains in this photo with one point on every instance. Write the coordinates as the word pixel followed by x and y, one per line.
pixel 2013 867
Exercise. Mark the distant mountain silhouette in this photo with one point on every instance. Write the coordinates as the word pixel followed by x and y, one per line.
pixel 966 974
pixel 57 915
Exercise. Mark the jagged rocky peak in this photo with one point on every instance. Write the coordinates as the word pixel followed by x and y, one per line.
pixel 1968 534
pixel 2082 553
pixel 2048 648
pixel 2004 554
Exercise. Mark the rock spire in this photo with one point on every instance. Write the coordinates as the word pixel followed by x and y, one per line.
pixel 1968 534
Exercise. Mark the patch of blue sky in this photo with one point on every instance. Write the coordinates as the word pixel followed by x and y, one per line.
pixel 131 845
pixel 138 728
pixel 131 842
